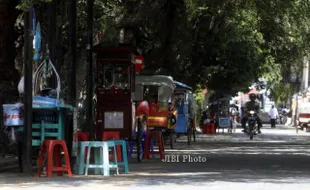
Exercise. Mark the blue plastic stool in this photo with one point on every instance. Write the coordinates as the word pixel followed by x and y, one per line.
pixel 131 145
pixel 81 157
pixel 102 157
pixel 124 161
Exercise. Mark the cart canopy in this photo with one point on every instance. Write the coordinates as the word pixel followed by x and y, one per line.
pixel 165 85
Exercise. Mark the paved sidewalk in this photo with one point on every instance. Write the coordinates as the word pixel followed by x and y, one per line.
pixel 277 159
pixel 8 163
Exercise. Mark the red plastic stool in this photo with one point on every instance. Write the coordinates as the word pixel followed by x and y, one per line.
pixel 51 148
pixel 160 142
pixel 113 135
pixel 213 129
pixel 209 128
pixel 82 136
pixel 206 128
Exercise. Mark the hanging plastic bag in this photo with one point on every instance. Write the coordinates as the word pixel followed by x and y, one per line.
pixel 20 86
pixel 39 73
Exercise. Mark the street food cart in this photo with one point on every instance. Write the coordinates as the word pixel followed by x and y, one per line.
pixel 185 99
pixel 115 85
pixel 157 90
pixel 51 119
pixel 221 109
pixel 303 116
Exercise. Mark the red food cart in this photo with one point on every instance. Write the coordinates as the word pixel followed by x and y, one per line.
pixel 115 109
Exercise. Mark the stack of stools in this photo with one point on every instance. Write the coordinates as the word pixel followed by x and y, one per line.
pixel 209 128
pixel 54 148
pixel 160 143
pixel 121 147
pixel 102 157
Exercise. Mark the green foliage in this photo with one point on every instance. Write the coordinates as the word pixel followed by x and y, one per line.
pixel 198 95
pixel 225 44
pixel 199 98
pixel 281 92
pixel 25 5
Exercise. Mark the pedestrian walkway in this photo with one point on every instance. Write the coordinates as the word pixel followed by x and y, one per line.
pixel 232 162
pixel 8 163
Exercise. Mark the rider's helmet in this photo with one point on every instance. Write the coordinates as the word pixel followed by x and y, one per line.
pixel 252 97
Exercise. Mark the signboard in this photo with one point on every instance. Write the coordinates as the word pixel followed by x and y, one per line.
pixel 224 122
pixel 12 114
pixel 139 63
pixel 113 120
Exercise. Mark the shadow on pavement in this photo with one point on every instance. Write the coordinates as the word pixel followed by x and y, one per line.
pixel 229 158
pixel 247 169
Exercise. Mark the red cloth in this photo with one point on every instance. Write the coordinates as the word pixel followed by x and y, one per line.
pixel 143 108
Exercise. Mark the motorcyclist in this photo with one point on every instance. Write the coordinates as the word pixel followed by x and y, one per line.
pixel 251 105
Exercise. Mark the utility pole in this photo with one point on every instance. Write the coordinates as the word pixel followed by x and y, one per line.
pixel 306 73
pixel 89 47
pixel 28 47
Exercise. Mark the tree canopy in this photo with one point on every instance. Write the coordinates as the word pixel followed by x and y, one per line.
pixel 226 44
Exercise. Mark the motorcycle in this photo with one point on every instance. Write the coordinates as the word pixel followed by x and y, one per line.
pixel 282 118
pixel 252 124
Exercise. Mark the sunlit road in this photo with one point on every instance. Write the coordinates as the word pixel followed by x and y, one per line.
pixel 277 159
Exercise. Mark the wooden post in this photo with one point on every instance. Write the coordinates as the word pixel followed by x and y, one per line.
pixel 27 143
pixel 90 5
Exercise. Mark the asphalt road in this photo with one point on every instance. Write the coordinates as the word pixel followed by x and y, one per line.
pixel 277 159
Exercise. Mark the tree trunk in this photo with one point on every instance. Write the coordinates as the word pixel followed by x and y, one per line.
pixel 9 76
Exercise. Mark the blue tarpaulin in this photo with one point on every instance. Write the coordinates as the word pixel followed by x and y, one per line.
pixel 182 86
pixel 39 101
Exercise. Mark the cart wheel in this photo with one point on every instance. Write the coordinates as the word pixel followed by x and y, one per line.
pixel 189 136
pixel 194 134
pixel 171 139
pixel 139 141
pixel 175 139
